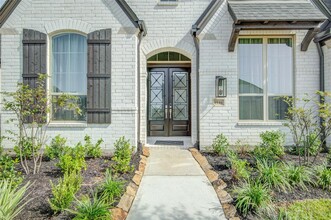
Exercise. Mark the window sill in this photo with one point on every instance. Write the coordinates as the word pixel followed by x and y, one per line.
pixel 172 3
pixel 262 123
pixel 67 125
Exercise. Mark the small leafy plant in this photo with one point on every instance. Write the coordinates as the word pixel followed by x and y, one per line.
pixel 111 189
pixel 93 150
pixel 122 156
pixel 252 196
pixel 87 208
pixel 57 147
pixel 64 192
pixel 8 171
pixel 272 175
pixel 73 160
pixel 273 141
pixel 220 145
pixel 239 169
pixel 11 199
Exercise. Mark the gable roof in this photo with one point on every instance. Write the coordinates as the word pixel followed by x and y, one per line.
pixel 325 7
pixel 257 10
pixel 10 5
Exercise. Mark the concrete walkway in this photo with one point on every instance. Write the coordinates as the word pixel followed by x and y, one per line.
pixel 175 187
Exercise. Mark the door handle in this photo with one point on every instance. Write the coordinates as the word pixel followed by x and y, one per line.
pixel 170 112
pixel 166 111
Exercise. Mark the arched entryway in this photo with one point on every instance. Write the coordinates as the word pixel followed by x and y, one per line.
pixel 169 95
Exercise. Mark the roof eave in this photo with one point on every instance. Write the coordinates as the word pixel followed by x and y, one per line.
pixel 7 9
pixel 140 24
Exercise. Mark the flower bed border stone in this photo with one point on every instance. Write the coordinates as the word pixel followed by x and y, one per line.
pixel 122 209
pixel 219 185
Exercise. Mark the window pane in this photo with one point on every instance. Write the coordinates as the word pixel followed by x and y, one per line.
pixel 173 56
pixel 251 108
pixel 163 56
pixel 250 65
pixel 277 108
pixel 280 66
pixel 65 114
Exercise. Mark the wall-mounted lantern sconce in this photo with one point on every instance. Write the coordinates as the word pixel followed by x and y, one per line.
pixel 221 87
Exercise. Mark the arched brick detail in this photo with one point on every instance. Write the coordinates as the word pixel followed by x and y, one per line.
pixel 68 24
pixel 157 46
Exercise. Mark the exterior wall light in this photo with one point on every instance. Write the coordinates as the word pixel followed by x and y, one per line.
pixel 221 87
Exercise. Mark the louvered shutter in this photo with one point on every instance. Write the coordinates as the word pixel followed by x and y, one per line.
pixel 34 58
pixel 99 77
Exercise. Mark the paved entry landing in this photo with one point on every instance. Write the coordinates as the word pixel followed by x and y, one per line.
pixel 175 187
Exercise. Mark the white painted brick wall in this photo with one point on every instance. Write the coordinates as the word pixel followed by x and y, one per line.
pixel 216 60
pixel 84 16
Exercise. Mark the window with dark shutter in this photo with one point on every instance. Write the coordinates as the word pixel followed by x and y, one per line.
pixel 99 77
pixel 34 58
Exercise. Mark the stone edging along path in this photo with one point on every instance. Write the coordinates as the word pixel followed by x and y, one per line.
pixel 122 209
pixel 218 184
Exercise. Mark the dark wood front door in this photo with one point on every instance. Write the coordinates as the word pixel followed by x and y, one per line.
pixel 169 102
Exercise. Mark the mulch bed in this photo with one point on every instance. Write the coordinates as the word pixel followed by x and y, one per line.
pixel 40 189
pixel 221 165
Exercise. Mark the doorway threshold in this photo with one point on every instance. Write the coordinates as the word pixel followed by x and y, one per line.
pixel 170 142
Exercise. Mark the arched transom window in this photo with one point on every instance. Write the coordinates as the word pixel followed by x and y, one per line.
pixel 169 57
pixel 69 74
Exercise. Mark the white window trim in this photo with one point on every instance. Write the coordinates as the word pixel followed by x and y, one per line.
pixel 49 92
pixel 265 94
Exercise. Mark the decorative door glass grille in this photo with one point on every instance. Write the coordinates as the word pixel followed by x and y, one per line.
pixel 156 96
pixel 180 96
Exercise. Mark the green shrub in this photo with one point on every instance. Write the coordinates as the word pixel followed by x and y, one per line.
pixel 111 189
pixel 73 160
pixel 64 192
pixel 27 150
pixel 323 175
pixel 314 146
pixel 11 199
pixel 8 171
pixel 298 175
pixel 57 148
pixel 239 168
pixel 95 208
pixel 122 156
pixel 252 196
pixel 318 209
pixel 220 145
pixel 272 175
pixel 93 150
pixel 274 141
pixel 263 153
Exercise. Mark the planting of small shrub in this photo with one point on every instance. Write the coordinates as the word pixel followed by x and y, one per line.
pixel 111 189
pixel 11 199
pixel 8 171
pixel 73 160
pixel 239 168
pixel 272 145
pixel 92 150
pixel 252 196
pixel 57 148
pixel 122 156
pixel 272 175
pixel 64 192
pixel 87 208
pixel 220 145
pixel 307 210
pixel 313 147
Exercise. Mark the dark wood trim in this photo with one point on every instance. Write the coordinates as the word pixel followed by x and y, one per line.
pixel 94 41
pixel 308 38
pixel 98 110
pixel 233 39
pixel 34 41
pixel 7 9
pixel 98 75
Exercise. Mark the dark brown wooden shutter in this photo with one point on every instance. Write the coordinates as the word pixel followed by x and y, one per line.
pixel 99 77
pixel 34 58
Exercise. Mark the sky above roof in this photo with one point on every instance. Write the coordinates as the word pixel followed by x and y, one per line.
pixel 1 2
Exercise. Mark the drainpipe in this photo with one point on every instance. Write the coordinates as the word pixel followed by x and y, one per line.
pixel 197 49
pixel 141 34
pixel 322 85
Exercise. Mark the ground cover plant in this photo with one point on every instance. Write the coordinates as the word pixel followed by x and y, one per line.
pixel 71 184
pixel 263 179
